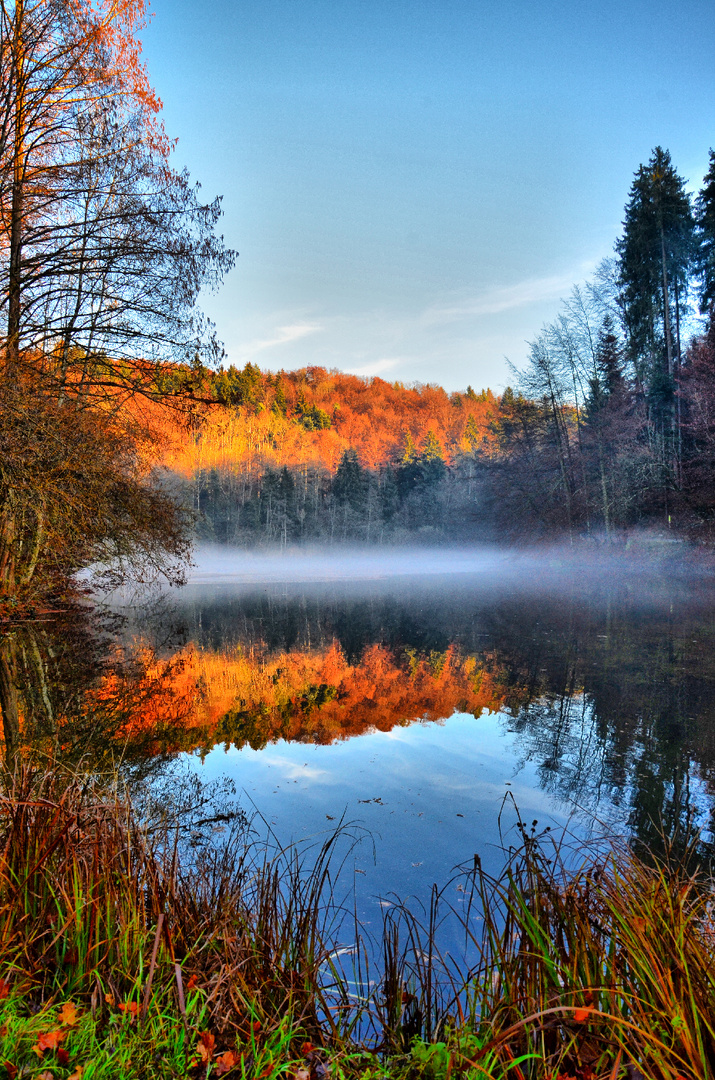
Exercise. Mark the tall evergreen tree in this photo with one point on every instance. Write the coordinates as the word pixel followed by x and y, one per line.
pixel 705 218
pixel 432 459
pixel 656 254
pixel 350 483
pixel 608 360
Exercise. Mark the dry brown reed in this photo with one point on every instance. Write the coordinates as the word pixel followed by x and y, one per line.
pixel 591 964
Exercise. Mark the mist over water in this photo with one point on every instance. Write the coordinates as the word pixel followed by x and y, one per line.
pixel 528 568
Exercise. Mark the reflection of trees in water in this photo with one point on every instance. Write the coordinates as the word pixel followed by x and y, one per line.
pixel 621 708
pixel 610 693
pixel 612 702
pixel 44 666
pixel 68 689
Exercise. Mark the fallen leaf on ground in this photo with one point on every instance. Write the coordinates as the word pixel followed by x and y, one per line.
pixel 225 1062
pixel 301 1074
pixel 205 1046
pixel 46 1075
pixel 307 1048
pixel 63 1057
pixel 581 1014
pixel 192 983
pixel 50 1040
pixel 77 1074
pixel 68 1014
pixel 10 1069
pixel 129 1007
pixel 4 989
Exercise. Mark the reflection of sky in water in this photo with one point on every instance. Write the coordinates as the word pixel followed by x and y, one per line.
pixel 428 794
pixel 604 661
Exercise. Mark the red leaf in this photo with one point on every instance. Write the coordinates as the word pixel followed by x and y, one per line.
pixel 581 1014
pixel 63 1057
pixel 307 1048
pixel 50 1040
pixel 4 990
pixel 225 1062
pixel 205 1046
pixel 10 1069
pixel 192 983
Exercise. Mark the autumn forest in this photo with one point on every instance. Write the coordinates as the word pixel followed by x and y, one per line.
pixel 152 924
pixel 609 427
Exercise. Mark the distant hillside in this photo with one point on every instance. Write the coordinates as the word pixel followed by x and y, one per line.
pixel 321 456
pixel 312 416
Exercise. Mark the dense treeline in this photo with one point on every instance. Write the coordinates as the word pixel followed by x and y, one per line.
pixel 319 455
pixel 609 426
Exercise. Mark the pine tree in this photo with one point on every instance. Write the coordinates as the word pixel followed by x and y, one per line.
pixel 409 452
pixel 432 459
pixel 350 483
pixel 705 218
pixel 471 433
pixel 608 360
pixel 656 254
pixel 409 470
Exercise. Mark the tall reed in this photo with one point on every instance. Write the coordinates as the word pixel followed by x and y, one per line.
pixel 591 964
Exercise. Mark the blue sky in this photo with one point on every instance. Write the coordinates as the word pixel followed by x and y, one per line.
pixel 411 185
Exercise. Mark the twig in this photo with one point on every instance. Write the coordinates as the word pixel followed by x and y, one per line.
pixel 152 965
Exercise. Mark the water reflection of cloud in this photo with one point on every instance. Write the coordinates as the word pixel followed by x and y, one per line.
pixel 291 770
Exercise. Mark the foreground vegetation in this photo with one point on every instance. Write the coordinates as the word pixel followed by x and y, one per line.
pixel 126 952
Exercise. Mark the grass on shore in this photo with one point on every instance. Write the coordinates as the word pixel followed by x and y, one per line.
pixel 121 956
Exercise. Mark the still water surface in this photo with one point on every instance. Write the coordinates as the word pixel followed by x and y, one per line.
pixel 412 696
pixel 407 693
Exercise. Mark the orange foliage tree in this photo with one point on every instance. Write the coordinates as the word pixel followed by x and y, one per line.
pixel 104 248
pixel 316 454
pixel 311 416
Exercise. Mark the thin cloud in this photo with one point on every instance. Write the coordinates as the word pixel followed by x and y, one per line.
pixel 377 367
pixel 291 770
pixel 496 301
pixel 284 335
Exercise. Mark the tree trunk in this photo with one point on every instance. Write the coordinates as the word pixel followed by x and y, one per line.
pixel 16 213
pixel 9 700
pixel 666 307
pixel 8 550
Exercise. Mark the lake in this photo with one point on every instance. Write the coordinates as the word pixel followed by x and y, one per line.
pixel 419 696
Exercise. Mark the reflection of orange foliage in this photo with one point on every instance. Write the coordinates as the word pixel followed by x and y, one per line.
pixel 246 696
pixel 370 415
